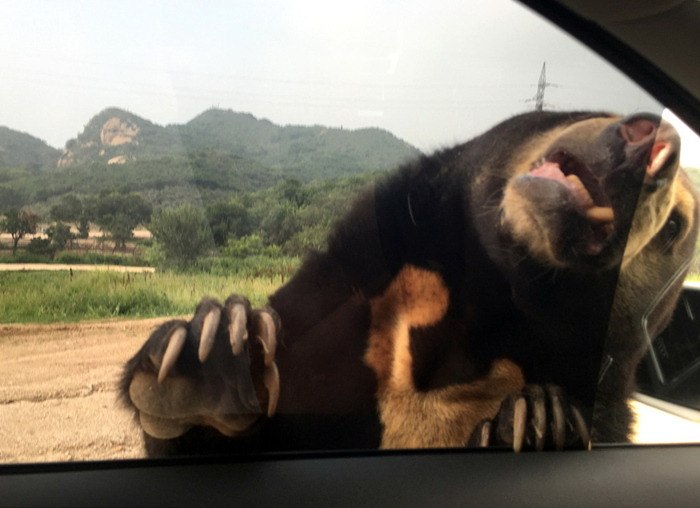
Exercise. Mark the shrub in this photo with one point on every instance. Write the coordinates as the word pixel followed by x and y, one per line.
pixel 250 245
pixel 183 235
pixel 41 247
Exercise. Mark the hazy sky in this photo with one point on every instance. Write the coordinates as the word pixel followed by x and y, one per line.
pixel 433 73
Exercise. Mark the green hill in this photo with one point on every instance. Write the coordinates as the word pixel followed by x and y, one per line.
pixel 117 137
pixel 23 151
pixel 203 171
pixel 303 152
pixel 215 155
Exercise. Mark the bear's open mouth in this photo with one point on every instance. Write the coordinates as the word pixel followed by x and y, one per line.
pixel 582 183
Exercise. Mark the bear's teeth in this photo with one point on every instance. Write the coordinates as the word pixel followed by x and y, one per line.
pixel 600 214
pixel 582 194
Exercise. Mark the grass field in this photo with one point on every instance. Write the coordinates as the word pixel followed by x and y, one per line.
pixel 48 297
pixel 58 296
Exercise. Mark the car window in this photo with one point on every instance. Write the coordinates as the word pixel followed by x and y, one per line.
pixel 666 377
pixel 154 155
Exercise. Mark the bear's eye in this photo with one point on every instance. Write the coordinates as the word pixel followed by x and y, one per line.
pixel 670 232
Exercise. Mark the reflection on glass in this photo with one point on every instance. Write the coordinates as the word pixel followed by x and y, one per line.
pixel 668 404
pixel 210 169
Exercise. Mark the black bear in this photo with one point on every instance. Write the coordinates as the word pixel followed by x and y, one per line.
pixel 500 292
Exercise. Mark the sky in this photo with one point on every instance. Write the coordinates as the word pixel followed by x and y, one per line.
pixel 433 73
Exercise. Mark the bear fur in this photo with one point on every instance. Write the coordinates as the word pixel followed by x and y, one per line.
pixel 500 292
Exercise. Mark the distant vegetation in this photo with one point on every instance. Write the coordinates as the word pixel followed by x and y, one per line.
pixel 20 152
pixel 216 154
pixel 287 219
pixel 232 204
pixel 223 189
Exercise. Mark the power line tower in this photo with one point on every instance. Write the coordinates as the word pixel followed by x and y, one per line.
pixel 541 86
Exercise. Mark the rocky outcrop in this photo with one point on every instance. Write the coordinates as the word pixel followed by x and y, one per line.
pixel 119 159
pixel 118 132
pixel 66 158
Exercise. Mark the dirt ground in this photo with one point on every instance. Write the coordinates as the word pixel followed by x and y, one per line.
pixel 58 391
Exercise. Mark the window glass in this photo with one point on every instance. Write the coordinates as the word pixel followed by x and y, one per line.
pixel 155 154
pixel 667 378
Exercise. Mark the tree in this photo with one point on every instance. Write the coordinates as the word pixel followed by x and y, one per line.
pixel 119 213
pixel 281 224
pixel 68 209
pixel 71 208
pixel 19 223
pixel 59 234
pixel 83 227
pixel 41 247
pixel 295 192
pixel 182 235
pixel 10 197
pixel 250 245
pixel 309 238
pixel 228 220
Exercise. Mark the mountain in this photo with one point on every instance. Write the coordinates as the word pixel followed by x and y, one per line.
pixel 301 151
pixel 217 153
pixel 115 136
pixel 23 151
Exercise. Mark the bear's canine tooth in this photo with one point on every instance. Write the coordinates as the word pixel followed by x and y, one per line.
pixel 586 199
pixel 600 214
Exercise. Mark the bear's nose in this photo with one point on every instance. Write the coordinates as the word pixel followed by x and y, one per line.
pixel 638 131
pixel 654 139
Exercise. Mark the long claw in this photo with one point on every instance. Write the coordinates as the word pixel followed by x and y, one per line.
pixel 238 329
pixel 271 379
pixel 481 435
pixel 558 421
pixel 539 417
pixel 172 352
pixel 581 427
pixel 209 327
pixel 485 434
pixel 519 421
pixel 268 338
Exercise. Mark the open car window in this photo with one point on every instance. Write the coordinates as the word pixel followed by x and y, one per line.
pixel 154 155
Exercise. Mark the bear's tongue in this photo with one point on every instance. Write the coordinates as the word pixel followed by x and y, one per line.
pixel 552 171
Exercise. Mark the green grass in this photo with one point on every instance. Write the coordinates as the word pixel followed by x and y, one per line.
pixel 48 297
pixel 91 258
pixel 693 277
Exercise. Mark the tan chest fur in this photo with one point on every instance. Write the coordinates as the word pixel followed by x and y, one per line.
pixel 436 418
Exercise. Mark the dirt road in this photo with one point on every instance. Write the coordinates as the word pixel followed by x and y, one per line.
pixel 58 391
